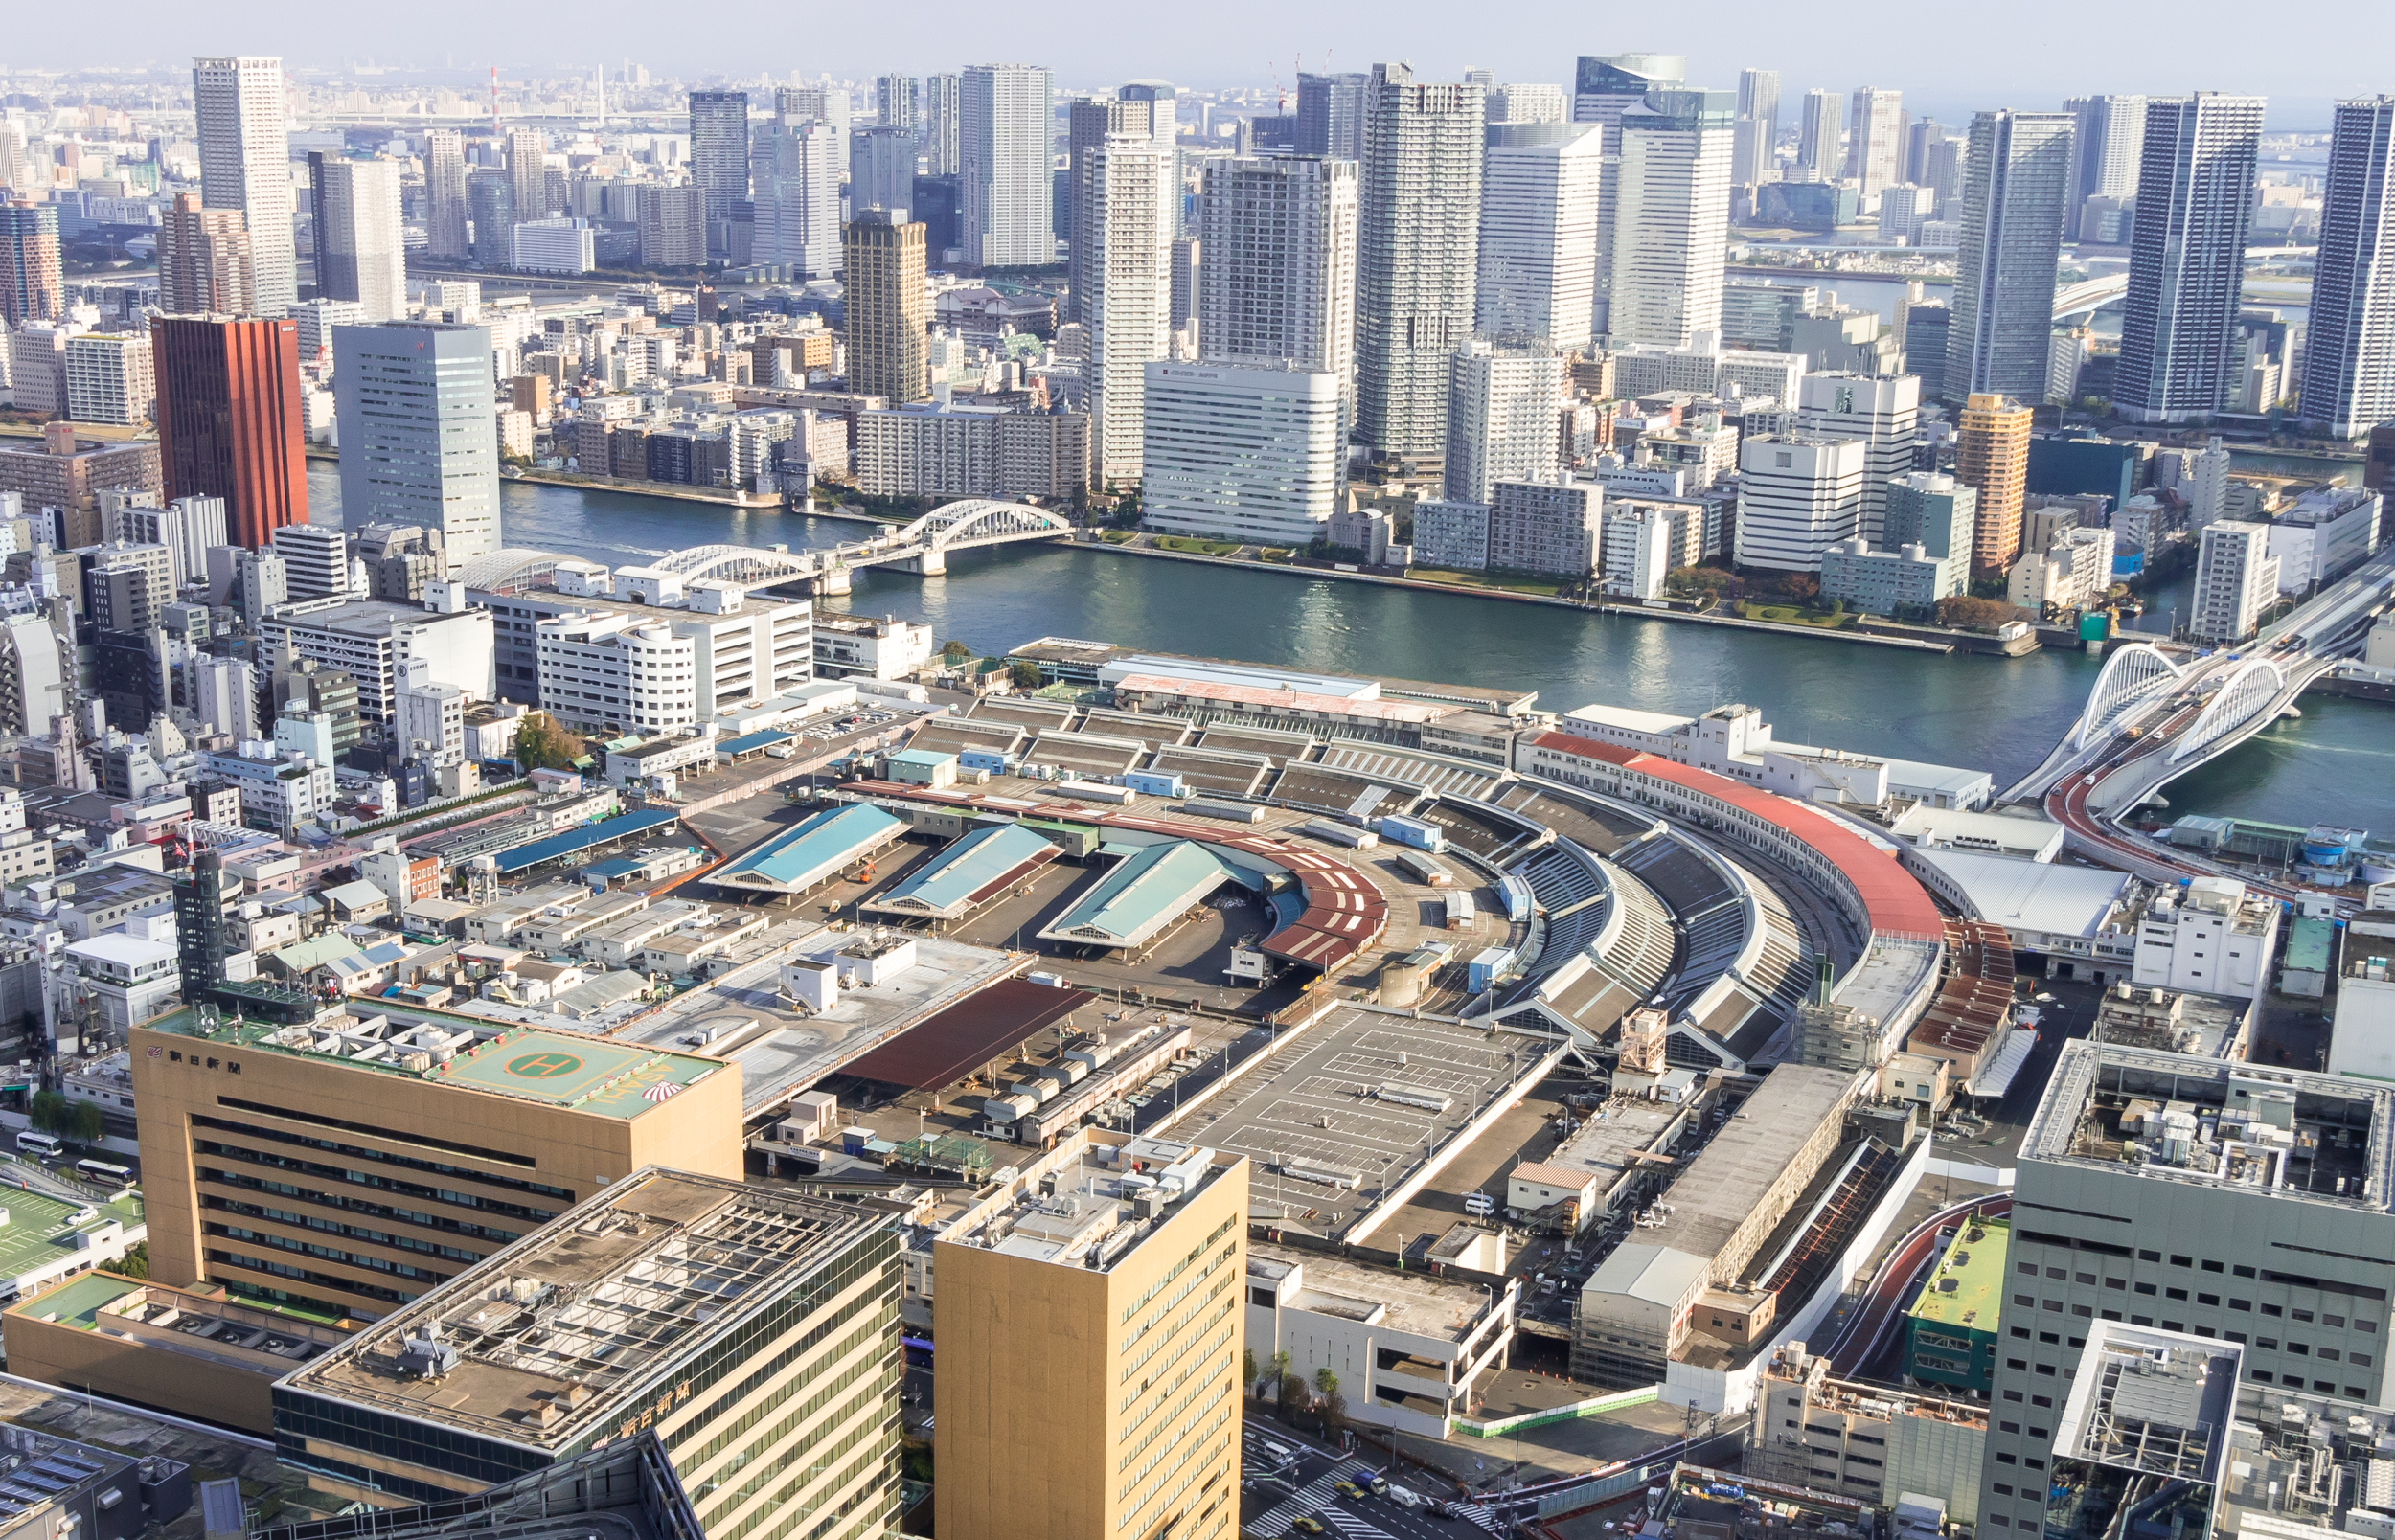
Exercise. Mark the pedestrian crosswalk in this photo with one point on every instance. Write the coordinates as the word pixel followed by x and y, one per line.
pixel 1320 1498
pixel 1481 1515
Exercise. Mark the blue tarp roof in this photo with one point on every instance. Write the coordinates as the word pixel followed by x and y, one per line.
pixel 747 742
pixel 585 837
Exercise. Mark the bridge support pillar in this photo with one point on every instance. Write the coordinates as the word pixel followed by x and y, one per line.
pixel 932 563
pixel 833 581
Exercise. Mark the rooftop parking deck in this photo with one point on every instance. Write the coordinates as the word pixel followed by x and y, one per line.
pixel 1341 1114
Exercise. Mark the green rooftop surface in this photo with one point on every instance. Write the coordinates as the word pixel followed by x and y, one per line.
pixel 2309 941
pixel 79 1302
pixel 1976 1269
pixel 37 1232
pixel 560 1069
pixel 1142 894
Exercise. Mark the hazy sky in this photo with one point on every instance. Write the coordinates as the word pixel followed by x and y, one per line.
pixel 1946 58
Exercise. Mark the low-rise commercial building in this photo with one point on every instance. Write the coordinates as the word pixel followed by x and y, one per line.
pixel 1905 581
pixel 2072 572
pixel 700 653
pixel 864 647
pixel 1871 1442
pixel 45 1239
pixel 1949 1333
pixel 1408 1348
pixel 187 1352
pixel 1603 1167
pixel 1636 1313
pixel 2325 533
pixel 1735 742
pixel 279 791
pixel 2212 938
pixel 131 978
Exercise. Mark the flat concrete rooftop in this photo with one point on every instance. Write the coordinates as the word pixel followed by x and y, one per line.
pixel 1343 1111
pixel 782 1047
pixel 1607 1142
pixel 552 1331
pixel 1724 1185
pixel 548 1063
pixel 1111 1194
pixel 2223 1123
pixel 1422 1303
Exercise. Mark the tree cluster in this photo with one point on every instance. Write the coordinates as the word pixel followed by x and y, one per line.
pixel 543 744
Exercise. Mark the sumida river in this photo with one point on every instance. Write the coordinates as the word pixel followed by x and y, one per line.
pixel 2336 763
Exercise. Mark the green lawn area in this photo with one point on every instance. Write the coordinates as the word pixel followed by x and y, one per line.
pixel 1473 579
pixel 1116 536
pixel 1275 553
pixel 1791 615
pixel 1201 548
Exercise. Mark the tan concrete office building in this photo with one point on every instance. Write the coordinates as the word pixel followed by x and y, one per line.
pixel 350 1166
pixel 1089 1320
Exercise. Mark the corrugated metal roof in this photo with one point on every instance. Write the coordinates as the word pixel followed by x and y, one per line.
pixel 748 741
pixel 1897 904
pixel 944 1047
pixel 814 850
pixel 585 837
pixel 1142 894
pixel 954 879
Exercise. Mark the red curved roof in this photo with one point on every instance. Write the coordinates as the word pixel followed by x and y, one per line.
pixel 1899 905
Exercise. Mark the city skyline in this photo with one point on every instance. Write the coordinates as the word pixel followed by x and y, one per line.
pixel 2017 67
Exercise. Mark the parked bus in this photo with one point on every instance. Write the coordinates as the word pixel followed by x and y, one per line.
pixel 32 1143
pixel 106 1174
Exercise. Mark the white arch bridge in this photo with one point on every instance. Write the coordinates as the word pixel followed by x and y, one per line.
pixel 924 546
pixel 2149 720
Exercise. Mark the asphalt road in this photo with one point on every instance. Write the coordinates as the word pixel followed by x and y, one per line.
pixel 1278 1488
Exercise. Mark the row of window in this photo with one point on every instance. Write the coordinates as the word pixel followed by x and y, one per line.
pixel 478 1152
pixel 340 1173
pixel 261 1265
pixel 334 1227
pixel 737 1350
pixel 329 1254
pixel 358 1206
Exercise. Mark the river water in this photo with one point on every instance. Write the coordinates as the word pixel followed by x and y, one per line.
pixel 2336 763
